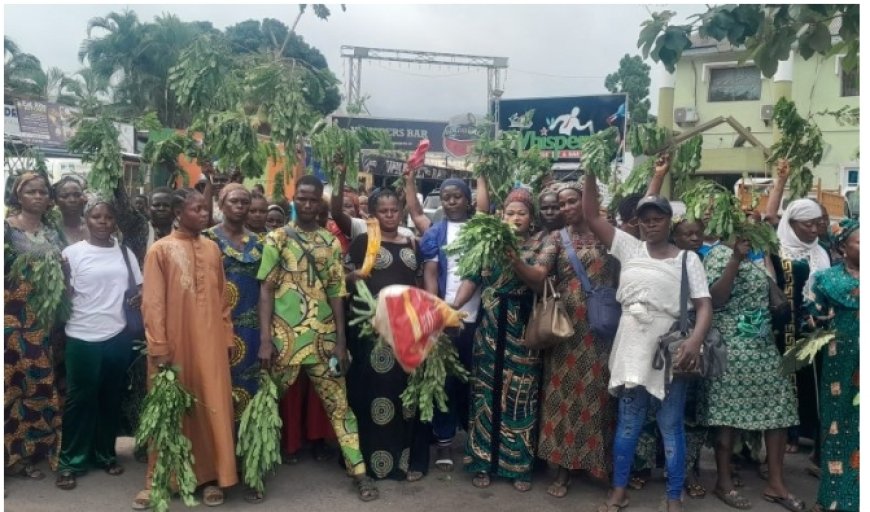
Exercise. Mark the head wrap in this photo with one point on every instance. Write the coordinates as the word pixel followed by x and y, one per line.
pixel 567 185
pixel 461 185
pixel 225 192
pixel 844 230
pixel 276 208
pixel 520 195
pixel 24 179
pixel 791 247
pixel 94 200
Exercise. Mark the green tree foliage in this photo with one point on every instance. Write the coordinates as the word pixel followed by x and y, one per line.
pixel 632 78
pixel 766 32
pixel 22 72
pixel 268 37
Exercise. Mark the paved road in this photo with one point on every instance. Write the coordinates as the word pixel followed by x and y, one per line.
pixel 322 487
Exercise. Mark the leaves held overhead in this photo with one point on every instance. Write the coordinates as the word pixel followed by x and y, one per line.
pixel 483 245
pixel 720 210
pixel 598 152
pixel 97 142
pixel 801 144
pixel 500 161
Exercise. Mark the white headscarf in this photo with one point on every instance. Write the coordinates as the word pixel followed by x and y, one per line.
pixel 791 247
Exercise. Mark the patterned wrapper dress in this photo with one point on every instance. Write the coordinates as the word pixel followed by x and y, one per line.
pixel 241 265
pixel 577 414
pixel 836 289
pixel 506 377
pixel 752 394
pixel 32 403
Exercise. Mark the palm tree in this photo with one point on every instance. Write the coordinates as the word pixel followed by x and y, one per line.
pixel 22 72
pixel 87 90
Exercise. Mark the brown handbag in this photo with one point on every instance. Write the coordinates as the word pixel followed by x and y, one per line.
pixel 549 324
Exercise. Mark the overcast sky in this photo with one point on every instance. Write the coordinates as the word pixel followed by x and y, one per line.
pixel 552 50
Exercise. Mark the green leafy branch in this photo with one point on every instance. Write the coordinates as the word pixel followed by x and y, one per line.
pixel 801 144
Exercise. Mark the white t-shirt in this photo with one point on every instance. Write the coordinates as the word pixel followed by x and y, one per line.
pixel 98 277
pixel 358 227
pixel 626 247
pixel 453 281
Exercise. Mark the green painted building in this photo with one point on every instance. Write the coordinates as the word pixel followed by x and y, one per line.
pixel 710 82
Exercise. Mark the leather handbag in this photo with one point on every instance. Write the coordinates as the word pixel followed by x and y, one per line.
pixel 549 324
pixel 132 314
pixel 714 353
pixel 603 311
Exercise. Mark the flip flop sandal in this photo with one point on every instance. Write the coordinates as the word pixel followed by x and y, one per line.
pixel 612 507
pixel 66 480
pixel 481 481
pixel 559 489
pixel 415 476
pixel 254 496
pixel 788 502
pixel 792 449
pixel 696 491
pixel 733 499
pixel 637 483
pixel 31 472
pixel 367 489
pixel 522 486
pixel 114 469
pixel 444 460
pixel 290 459
pixel 212 496
pixel 142 501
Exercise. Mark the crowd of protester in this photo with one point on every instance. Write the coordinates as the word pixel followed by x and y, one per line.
pixel 231 282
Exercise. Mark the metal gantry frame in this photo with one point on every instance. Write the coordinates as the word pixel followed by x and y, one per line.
pixel 496 67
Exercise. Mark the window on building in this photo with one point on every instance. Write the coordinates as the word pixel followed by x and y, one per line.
pixel 850 177
pixel 849 83
pixel 735 84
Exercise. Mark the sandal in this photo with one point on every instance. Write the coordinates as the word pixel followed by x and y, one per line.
pixel 254 496
pixel 28 471
pixel 66 480
pixel 559 488
pixel 788 502
pixel 481 480
pixel 792 448
pixel 637 483
pixel 733 499
pixel 612 507
pixel 415 476
pixel 367 489
pixel 142 501
pixel 114 469
pixel 736 479
pixel 212 496
pixel 444 459
pixel 321 452
pixel 696 491
pixel 290 459
pixel 522 485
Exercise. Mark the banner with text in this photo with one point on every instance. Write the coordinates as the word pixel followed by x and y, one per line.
pixel 557 126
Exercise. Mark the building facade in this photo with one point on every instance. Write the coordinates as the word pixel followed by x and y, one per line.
pixel 709 82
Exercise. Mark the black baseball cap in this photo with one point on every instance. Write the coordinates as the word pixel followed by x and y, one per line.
pixel 658 202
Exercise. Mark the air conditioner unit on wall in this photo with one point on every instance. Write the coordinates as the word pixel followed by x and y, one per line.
pixel 685 115
pixel 767 114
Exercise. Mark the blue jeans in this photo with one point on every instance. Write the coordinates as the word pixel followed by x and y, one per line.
pixel 444 424
pixel 633 405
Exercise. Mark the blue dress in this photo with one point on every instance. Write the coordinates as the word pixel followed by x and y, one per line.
pixel 243 293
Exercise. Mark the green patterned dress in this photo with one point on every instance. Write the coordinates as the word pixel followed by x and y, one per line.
pixel 506 379
pixel 838 488
pixel 752 394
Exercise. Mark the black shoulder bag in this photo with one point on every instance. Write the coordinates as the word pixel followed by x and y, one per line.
pixel 132 314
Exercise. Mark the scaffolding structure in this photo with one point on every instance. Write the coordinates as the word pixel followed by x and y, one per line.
pixel 496 67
